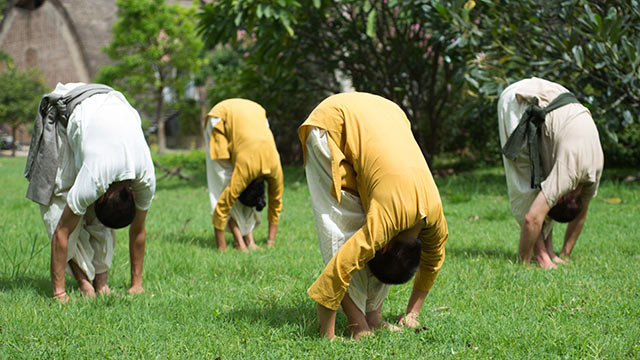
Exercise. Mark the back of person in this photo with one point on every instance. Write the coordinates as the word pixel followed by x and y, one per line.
pixel 384 132
pixel 380 146
pixel 108 145
pixel 245 123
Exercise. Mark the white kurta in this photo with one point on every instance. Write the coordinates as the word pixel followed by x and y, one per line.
pixel 336 223
pixel 219 173
pixel 103 143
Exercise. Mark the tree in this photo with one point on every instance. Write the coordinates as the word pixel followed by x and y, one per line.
pixel 156 50
pixel 591 47
pixel 410 51
pixel 20 93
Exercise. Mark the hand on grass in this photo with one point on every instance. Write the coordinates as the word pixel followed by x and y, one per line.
pixel 409 320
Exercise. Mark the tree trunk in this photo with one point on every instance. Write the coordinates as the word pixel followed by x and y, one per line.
pixel 162 141
pixel 204 109
pixel 14 131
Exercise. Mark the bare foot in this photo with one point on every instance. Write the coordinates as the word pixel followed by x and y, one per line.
pixel 556 259
pixel 240 246
pixel 62 299
pixel 389 326
pixel 105 290
pixel 100 284
pixel 545 262
pixel 134 290
pixel 271 243
pixel 87 289
pixel 360 334
pixel 253 247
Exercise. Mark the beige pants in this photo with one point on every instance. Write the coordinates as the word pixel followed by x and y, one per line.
pixel 219 173
pixel 91 244
pixel 336 223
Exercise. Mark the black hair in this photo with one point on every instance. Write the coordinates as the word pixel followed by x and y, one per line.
pixel 253 195
pixel 398 264
pixel 117 209
pixel 567 210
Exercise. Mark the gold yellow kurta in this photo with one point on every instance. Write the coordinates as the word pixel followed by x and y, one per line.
pixel 243 136
pixel 374 154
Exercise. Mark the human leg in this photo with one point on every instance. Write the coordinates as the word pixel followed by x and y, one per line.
pixel 100 284
pixel 374 320
pixel 548 242
pixel 540 254
pixel 251 244
pixel 356 321
pixel 102 241
pixel 83 281
pixel 237 235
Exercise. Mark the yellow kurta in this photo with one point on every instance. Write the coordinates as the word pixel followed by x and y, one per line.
pixel 243 135
pixel 374 155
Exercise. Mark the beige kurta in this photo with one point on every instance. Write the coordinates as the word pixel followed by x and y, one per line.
pixel 243 136
pixel 374 155
pixel 570 149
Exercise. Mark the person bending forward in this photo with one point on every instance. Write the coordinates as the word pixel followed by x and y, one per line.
pixel 241 155
pixel 373 195
pixel 557 175
pixel 91 171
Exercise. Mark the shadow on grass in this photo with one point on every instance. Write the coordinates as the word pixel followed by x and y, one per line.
pixel 41 284
pixel 472 252
pixel 300 315
pixel 203 241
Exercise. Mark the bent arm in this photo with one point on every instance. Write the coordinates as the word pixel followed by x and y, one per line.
pixel 532 227
pixel 59 243
pixel 137 236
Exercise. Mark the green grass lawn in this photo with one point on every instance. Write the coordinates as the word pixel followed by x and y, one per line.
pixel 200 303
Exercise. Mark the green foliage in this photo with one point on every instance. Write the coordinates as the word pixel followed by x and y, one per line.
pixel 193 161
pixel 189 117
pixel 203 304
pixel 155 47
pixel 3 4
pixel 590 47
pixel 20 93
pixel 412 52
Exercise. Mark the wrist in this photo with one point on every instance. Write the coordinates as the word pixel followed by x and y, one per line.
pixel 59 294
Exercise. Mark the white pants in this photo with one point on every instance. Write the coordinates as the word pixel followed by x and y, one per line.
pixel 219 173
pixel 518 173
pixel 91 244
pixel 336 223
